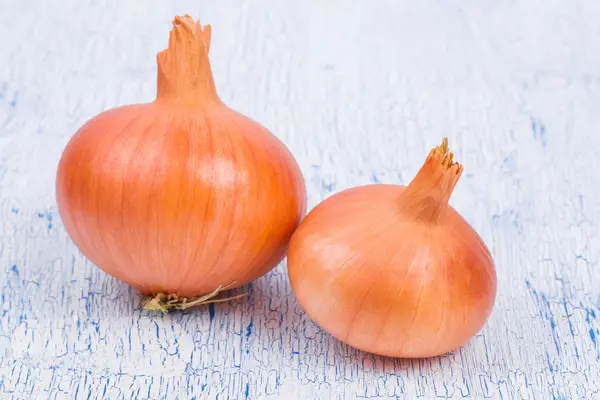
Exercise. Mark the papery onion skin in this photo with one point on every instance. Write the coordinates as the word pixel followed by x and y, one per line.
pixel 375 267
pixel 182 195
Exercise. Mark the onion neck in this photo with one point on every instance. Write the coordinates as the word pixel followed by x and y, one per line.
pixel 426 197
pixel 184 74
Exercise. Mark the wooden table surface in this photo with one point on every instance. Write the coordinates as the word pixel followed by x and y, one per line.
pixel 359 91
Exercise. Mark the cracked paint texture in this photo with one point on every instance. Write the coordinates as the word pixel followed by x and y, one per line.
pixel 359 91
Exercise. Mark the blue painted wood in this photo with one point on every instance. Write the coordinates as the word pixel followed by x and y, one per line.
pixel 359 91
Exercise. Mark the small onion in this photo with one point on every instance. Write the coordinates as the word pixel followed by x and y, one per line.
pixel 395 270
pixel 182 196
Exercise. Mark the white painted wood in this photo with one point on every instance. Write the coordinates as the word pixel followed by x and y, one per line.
pixel 359 91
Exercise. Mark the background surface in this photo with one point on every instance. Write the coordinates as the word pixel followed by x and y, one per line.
pixel 359 91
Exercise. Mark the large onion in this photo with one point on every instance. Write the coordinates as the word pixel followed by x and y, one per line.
pixel 181 196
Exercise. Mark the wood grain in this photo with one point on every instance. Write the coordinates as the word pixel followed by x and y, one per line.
pixel 359 91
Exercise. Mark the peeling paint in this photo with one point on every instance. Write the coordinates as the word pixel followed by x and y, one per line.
pixel 359 92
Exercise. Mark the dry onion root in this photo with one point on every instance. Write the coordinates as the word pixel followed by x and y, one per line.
pixel 183 195
pixel 166 302
pixel 395 270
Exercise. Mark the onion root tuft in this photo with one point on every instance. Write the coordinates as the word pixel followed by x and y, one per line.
pixel 166 302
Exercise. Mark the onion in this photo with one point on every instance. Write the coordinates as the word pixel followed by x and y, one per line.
pixel 182 196
pixel 392 270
